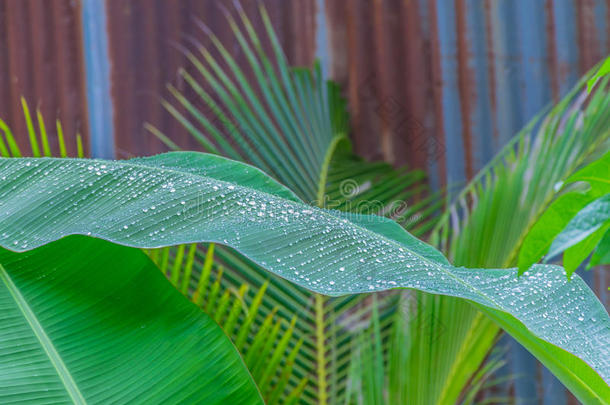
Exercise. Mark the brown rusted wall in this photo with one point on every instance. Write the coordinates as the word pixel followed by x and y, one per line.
pixel 385 62
pixel 386 54
pixel 145 38
pixel 41 59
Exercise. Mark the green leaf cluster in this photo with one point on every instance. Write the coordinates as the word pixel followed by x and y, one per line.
pixel 576 222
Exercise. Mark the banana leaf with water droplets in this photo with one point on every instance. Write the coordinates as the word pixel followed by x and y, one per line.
pixel 173 198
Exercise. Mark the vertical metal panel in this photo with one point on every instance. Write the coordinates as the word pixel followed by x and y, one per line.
pixel 488 66
pixel 321 46
pixel 437 130
pixel 477 88
pixel 534 84
pixel 381 55
pixel 566 24
pixel 601 16
pixel 453 120
pixel 41 59
pixel 350 28
pixel 98 79
pixel 507 61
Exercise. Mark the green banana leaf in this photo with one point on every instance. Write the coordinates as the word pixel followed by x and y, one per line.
pixel 604 70
pixel 87 321
pixel 582 234
pixel 602 252
pixel 186 197
pixel 562 211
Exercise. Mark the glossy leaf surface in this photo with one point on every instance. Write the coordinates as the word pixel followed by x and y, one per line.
pixel 87 321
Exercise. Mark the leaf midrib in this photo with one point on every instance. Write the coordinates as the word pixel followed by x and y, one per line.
pixel 318 298
pixel 325 166
pixel 44 340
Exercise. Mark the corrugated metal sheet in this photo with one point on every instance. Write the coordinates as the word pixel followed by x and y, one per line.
pixel 41 59
pixel 97 68
pixel 456 79
pixel 145 39
pixel 429 76
pixel 383 54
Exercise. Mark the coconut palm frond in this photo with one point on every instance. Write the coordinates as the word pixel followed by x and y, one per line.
pixel 293 124
pixel 510 194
